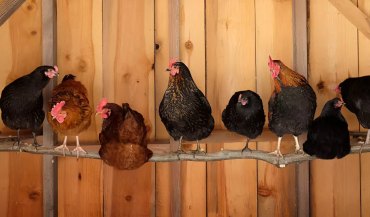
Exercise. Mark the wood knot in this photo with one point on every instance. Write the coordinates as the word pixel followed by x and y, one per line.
pixel 79 176
pixel 189 45
pixel 34 195
pixel 68 57
pixel 156 46
pixel 82 65
pixel 264 191
pixel 33 32
pixel 128 198
pixel 29 7
pixel 320 85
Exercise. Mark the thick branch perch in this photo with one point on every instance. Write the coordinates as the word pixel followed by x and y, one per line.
pixel 162 154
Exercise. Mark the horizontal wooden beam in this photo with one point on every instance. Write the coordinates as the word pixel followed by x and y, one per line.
pixel 354 15
pixel 162 152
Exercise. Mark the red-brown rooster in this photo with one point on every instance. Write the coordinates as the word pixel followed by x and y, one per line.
pixel 70 111
pixel 123 136
pixel 292 104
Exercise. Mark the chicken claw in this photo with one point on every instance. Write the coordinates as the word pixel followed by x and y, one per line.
pixel 63 147
pixel 246 147
pixel 198 150
pixel 78 148
pixel 277 153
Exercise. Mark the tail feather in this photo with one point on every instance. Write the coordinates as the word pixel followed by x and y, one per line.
pixel 309 148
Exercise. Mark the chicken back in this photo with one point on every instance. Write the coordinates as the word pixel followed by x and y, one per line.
pixel 123 137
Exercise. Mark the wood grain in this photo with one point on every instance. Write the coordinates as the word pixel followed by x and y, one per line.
pixel 335 185
pixel 79 42
pixel 364 69
pixel 20 40
pixel 128 51
pixel 230 27
pixel 276 187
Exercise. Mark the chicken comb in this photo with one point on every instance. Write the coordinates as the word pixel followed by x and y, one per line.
pixel 57 108
pixel 56 68
pixel 274 68
pixel 172 61
pixel 56 112
pixel 103 102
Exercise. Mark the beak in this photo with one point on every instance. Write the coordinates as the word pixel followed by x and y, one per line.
pixel 168 70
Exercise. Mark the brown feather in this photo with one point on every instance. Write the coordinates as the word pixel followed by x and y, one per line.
pixel 288 77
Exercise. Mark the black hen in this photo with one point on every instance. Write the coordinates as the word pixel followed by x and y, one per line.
pixel 244 115
pixel 355 93
pixel 292 104
pixel 328 135
pixel 21 101
pixel 184 109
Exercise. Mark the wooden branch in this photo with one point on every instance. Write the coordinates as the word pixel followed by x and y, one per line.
pixel 354 15
pixel 162 153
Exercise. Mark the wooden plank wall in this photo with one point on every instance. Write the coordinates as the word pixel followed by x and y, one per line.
pixel 21 180
pixel 226 46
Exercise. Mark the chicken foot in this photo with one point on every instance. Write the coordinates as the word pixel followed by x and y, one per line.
pixel 277 151
pixel 18 142
pixel 246 147
pixel 298 149
pixel 35 143
pixel 78 148
pixel 198 150
pixel 63 147
pixel 179 148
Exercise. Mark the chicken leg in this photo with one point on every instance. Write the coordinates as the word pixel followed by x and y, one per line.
pixel 298 149
pixel 198 150
pixel 18 142
pixel 367 141
pixel 277 151
pixel 35 143
pixel 246 146
pixel 63 147
pixel 78 148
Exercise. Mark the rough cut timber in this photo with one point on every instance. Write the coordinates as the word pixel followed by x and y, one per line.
pixel 7 8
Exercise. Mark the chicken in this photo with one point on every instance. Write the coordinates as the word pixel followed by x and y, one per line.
pixel 70 111
pixel 328 135
pixel 123 136
pixel 355 93
pixel 184 110
pixel 292 104
pixel 21 101
pixel 244 115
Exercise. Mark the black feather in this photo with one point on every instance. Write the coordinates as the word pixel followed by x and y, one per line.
pixel 184 110
pixel 247 120
pixel 68 77
pixel 328 135
pixel 21 101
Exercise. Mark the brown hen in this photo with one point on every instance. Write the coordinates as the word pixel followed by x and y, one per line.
pixel 123 136
pixel 70 112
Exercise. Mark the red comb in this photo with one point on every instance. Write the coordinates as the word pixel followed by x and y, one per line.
pixel 270 64
pixel 103 102
pixel 172 61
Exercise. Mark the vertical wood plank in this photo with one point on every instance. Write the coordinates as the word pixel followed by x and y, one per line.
pixel 335 185
pixel 128 67
pixel 230 31
pixel 79 44
pixel 20 39
pixel 300 53
pixel 50 169
pixel 364 69
pixel 276 187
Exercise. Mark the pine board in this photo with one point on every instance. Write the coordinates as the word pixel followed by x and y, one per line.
pixel 20 41
pixel 230 28
pixel 79 52
pixel 128 59
pixel 335 185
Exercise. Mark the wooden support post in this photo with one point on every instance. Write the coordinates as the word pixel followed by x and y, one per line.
pixel 49 58
pixel 300 54
pixel 174 51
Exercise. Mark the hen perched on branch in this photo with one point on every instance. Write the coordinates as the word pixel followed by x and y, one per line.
pixel 70 112
pixel 244 114
pixel 184 110
pixel 292 104
pixel 21 101
pixel 355 93
pixel 123 137
pixel 328 135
